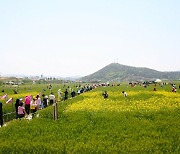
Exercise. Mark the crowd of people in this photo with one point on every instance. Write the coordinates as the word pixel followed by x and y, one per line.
pixel 31 104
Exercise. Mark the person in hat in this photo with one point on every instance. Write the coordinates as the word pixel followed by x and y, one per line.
pixel 59 95
pixel 33 105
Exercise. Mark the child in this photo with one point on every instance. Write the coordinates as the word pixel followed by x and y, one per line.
pixel 21 110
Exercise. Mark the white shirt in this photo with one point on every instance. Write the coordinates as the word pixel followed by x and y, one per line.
pixel 125 94
pixel 59 94
pixel 38 101
pixel 51 97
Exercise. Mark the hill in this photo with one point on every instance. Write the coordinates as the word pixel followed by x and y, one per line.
pixel 118 72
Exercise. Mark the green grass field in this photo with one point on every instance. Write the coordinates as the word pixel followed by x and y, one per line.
pixel 146 121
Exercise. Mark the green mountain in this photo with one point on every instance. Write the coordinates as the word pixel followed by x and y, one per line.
pixel 118 72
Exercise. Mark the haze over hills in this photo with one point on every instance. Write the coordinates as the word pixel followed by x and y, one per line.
pixel 37 77
pixel 114 72
pixel 119 72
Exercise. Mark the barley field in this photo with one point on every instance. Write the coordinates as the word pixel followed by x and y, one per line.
pixel 145 121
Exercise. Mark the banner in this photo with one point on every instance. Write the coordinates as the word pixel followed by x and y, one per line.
pixel 4 96
pixel 9 101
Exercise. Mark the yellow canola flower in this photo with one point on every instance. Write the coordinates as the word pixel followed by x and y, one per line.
pixel 95 102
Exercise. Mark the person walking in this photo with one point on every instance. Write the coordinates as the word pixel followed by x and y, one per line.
pixel 38 102
pixel 17 104
pixel 66 95
pixel 45 101
pixel 59 95
pixel 73 94
pixel 27 101
pixel 51 98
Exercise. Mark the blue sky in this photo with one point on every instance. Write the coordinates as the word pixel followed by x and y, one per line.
pixel 68 38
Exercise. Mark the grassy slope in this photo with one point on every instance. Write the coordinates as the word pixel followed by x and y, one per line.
pixel 24 90
pixel 144 122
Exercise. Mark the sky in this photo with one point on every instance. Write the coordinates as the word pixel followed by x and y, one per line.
pixel 68 38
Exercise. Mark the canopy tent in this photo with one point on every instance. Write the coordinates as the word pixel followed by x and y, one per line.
pixel 158 80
